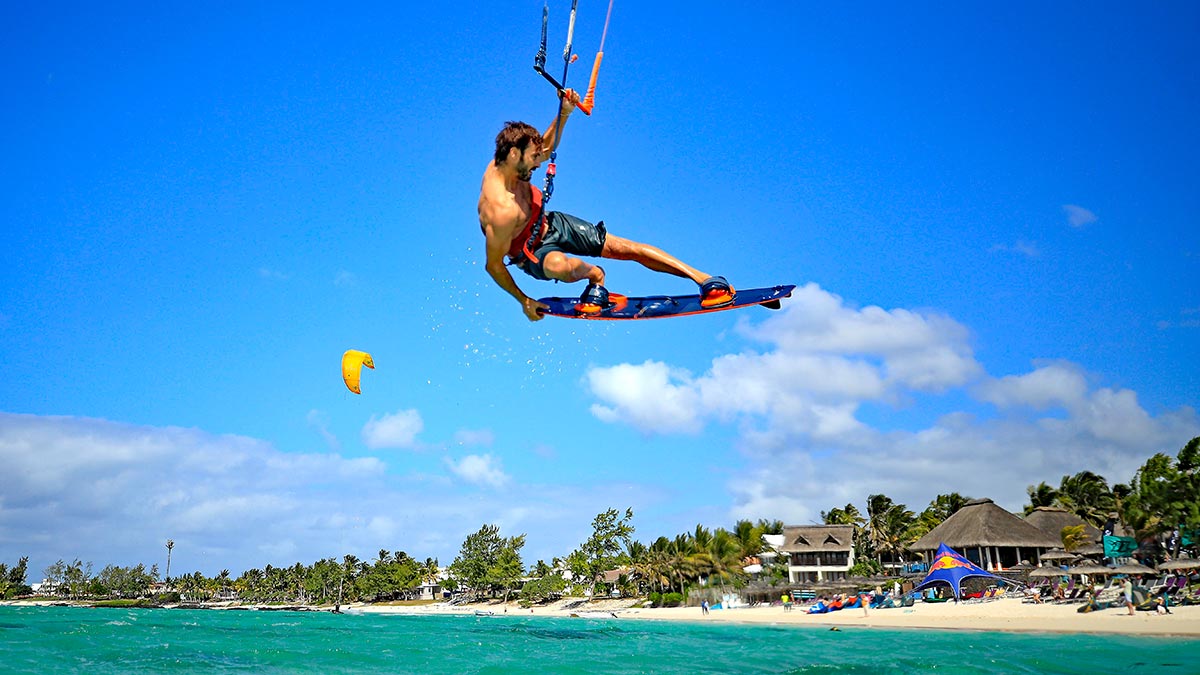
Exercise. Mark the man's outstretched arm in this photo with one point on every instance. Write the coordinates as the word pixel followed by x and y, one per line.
pixel 553 135
pixel 497 248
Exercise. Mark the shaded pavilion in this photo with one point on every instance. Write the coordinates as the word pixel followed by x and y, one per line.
pixel 988 536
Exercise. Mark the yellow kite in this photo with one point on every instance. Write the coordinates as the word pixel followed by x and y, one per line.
pixel 352 363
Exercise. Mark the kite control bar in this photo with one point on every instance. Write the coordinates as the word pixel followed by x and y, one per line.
pixel 539 62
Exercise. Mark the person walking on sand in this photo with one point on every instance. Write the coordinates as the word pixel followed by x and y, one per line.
pixel 704 607
pixel 542 245
pixel 1127 589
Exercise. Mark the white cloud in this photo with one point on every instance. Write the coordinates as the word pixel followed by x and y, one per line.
pixel 799 408
pixel 471 437
pixel 1077 216
pixel 1060 384
pixel 319 422
pixel 1026 248
pixel 651 397
pixel 397 430
pixel 479 470
pixel 109 492
pixel 828 357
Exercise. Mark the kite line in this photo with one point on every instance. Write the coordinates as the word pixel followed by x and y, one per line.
pixel 589 99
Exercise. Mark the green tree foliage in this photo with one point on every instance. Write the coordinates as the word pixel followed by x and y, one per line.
pixel 941 508
pixel 1040 495
pixel 601 552
pixel 888 525
pixel 488 562
pixel 1073 537
pixel 548 587
pixel 124 582
pixel 1086 495
pixel 1165 495
pixel 12 580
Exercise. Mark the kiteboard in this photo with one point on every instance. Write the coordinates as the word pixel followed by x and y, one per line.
pixel 665 306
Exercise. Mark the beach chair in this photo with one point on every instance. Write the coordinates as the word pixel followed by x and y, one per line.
pixel 1177 591
pixel 1069 594
pixel 1191 596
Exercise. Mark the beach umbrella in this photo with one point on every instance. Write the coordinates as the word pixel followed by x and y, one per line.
pixel 1047 572
pixel 1058 554
pixel 1094 549
pixel 1182 564
pixel 1090 569
pixel 1132 568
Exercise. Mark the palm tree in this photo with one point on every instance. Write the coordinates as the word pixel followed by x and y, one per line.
pixel 725 558
pixel 849 515
pixel 941 508
pixel 1086 495
pixel 749 538
pixel 1040 495
pixel 170 545
pixel 888 526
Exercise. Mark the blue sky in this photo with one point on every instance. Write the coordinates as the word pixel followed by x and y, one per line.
pixel 990 212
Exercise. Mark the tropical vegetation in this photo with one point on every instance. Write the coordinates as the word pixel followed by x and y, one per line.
pixel 1160 505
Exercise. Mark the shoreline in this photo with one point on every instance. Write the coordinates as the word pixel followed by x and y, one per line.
pixel 1008 615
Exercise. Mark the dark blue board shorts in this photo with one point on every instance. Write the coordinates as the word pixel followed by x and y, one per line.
pixel 567 234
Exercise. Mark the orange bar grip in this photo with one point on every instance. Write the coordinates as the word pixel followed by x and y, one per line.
pixel 589 99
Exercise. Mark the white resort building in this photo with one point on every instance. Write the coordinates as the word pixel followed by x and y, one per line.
pixel 818 552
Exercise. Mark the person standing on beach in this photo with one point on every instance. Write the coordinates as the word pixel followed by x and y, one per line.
pixel 704 607
pixel 1127 588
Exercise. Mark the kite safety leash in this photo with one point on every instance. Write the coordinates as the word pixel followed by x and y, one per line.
pixel 589 99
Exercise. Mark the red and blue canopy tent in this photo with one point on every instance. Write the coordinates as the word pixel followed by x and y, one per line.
pixel 950 567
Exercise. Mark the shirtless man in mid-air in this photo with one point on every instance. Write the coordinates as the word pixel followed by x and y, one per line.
pixel 510 215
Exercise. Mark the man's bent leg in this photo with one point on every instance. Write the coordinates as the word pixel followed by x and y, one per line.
pixel 562 267
pixel 651 257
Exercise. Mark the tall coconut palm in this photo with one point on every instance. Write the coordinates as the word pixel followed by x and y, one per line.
pixel 170 545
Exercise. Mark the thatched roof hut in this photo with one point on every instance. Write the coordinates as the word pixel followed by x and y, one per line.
pixel 817 538
pixel 987 535
pixel 1052 520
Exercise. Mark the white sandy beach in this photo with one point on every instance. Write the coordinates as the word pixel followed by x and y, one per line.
pixel 1005 614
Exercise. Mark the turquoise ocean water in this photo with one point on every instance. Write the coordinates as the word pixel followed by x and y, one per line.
pixel 102 641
